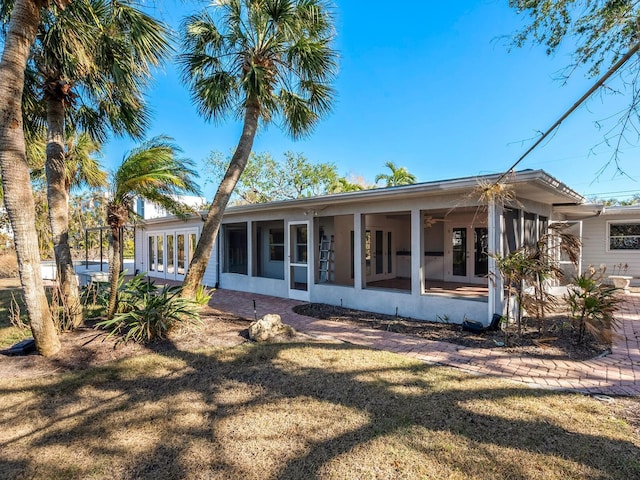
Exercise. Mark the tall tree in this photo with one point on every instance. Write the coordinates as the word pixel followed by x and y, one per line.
pixel 266 179
pixel 600 32
pixel 93 60
pixel 152 171
pixel 262 60
pixel 18 195
pixel 396 176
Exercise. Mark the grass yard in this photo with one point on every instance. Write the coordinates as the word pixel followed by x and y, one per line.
pixel 302 411
pixel 9 291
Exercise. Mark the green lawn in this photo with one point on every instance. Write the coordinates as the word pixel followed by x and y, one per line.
pixel 302 411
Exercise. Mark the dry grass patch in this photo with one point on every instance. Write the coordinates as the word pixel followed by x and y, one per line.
pixel 297 410
pixel 9 291
pixel 8 264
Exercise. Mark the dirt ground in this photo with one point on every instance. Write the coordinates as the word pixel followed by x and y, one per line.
pixel 558 342
pixel 87 347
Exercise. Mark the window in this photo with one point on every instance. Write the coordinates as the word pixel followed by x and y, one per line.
pixel 193 243
pixel 235 248
pixel 530 230
pixel 511 233
pixel 160 249
pixel 152 254
pixel 180 242
pixel 140 207
pixel 624 236
pixel 543 226
pixel 300 253
pixel 276 244
pixel 170 254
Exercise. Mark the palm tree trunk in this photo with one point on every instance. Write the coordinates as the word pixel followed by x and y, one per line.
pixel 58 198
pixel 114 271
pixel 213 219
pixel 18 195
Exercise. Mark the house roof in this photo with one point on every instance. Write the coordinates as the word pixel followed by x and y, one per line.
pixel 536 185
pixel 586 210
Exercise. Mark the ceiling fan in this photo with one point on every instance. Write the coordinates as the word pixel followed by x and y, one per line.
pixel 430 221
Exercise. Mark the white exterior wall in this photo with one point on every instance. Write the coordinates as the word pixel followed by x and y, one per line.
pixel 595 246
pixel 412 303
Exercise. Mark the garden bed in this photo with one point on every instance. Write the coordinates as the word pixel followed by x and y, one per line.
pixel 558 341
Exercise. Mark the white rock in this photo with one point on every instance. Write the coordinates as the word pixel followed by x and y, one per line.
pixel 268 327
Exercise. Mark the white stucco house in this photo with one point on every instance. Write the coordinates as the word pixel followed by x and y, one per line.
pixel 419 250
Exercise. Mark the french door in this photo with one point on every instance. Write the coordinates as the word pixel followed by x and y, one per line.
pixel 169 253
pixel 469 261
pixel 378 248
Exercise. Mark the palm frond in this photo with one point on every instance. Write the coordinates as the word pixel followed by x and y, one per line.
pixel 155 171
pixel 273 53
pixel 107 51
pixel 83 167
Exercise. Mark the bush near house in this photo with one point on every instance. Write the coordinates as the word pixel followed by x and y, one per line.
pixel 148 312
pixel 593 304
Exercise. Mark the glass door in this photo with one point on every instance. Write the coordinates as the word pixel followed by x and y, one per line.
pixel 298 259
pixel 459 252
pixel 185 246
pixel 469 260
pixel 160 253
pixel 171 255
pixel 378 255
pixel 480 252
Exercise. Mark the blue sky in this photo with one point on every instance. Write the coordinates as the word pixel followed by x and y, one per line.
pixel 433 87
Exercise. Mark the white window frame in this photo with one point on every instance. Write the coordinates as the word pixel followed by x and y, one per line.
pixel 608 235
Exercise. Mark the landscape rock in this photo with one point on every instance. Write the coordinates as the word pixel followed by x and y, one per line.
pixel 269 327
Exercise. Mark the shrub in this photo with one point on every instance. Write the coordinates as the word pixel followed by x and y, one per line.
pixel 148 312
pixel 203 295
pixel 133 292
pixel 593 304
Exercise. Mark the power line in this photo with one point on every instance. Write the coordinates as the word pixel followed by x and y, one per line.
pixel 589 92
pixel 621 192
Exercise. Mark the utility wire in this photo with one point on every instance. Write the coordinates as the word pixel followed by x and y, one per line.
pixel 589 92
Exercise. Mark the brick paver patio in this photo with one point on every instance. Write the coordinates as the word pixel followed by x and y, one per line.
pixel 615 374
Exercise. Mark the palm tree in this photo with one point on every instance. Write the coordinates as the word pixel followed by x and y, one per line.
pixel 154 172
pixel 342 184
pixel 18 195
pixel 262 60
pixel 398 176
pixel 82 170
pixel 93 61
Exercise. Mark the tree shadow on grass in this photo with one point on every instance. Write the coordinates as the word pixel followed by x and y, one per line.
pixel 204 403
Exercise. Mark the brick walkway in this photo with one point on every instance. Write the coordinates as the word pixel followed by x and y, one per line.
pixel 614 374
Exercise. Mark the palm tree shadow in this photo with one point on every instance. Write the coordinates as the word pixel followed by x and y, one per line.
pixel 421 397
pixel 437 411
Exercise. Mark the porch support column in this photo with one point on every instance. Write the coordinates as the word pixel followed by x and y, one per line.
pixel 250 250
pixel 358 257
pixel 416 253
pixel 496 290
